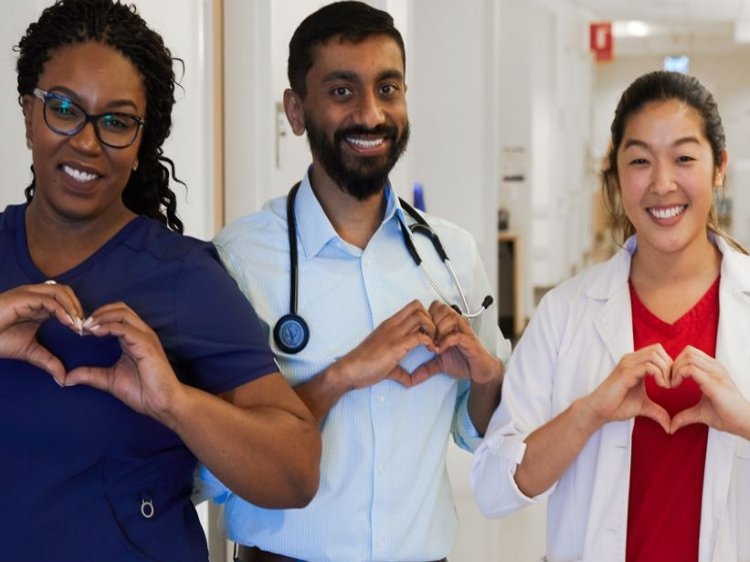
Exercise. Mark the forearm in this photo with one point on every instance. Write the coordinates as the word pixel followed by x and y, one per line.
pixel 322 391
pixel 267 455
pixel 552 448
pixel 482 402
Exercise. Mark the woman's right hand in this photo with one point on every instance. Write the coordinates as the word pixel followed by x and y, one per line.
pixel 22 311
pixel 622 395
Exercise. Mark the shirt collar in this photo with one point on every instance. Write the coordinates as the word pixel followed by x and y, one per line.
pixel 314 229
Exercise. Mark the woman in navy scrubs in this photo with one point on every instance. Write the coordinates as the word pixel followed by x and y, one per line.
pixel 126 350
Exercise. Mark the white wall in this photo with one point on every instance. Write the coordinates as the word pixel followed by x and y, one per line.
pixel 544 126
pixel 14 157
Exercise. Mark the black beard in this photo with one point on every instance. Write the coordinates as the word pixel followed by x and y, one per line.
pixel 367 175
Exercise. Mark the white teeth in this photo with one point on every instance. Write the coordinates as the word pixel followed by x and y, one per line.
pixel 362 143
pixel 78 175
pixel 668 213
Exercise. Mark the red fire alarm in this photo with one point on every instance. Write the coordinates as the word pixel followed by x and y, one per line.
pixel 600 40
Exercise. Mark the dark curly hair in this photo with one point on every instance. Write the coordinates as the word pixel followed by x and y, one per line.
pixel 117 25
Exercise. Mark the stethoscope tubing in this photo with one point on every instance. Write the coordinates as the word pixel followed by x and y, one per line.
pixel 423 227
pixel 291 333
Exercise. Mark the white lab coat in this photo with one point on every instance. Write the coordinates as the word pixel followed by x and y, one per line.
pixel 580 331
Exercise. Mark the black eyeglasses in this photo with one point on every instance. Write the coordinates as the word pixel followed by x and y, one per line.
pixel 66 117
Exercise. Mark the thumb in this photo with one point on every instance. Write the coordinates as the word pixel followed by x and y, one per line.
pixel 95 377
pixel 686 417
pixel 399 375
pixel 655 412
pixel 426 370
pixel 42 358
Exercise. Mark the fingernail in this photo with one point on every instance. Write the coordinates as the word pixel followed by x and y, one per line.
pixel 88 323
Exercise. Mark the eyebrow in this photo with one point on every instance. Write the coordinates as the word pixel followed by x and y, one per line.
pixel 642 144
pixel 113 104
pixel 350 76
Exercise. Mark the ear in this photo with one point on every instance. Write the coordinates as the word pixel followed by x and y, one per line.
pixel 721 169
pixel 27 104
pixel 295 113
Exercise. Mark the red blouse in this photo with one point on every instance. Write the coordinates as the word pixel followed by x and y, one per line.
pixel 666 473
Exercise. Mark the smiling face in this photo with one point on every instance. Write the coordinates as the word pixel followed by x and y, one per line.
pixel 354 112
pixel 77 177
pixel 667 176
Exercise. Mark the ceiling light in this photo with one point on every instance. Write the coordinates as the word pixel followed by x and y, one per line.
pixel 632 28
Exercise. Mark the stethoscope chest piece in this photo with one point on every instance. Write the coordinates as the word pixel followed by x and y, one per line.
pixel 291 333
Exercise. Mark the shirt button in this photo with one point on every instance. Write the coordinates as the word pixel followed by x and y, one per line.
pixel 381 469
pixel 380 398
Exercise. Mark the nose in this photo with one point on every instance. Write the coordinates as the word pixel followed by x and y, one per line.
pixel 86 140
pixel 663 179
pixel 369 110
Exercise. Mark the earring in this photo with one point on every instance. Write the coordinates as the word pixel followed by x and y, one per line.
pixel 29 145
pixel 135 165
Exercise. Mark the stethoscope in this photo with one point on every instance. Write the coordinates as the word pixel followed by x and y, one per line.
pixel 291 332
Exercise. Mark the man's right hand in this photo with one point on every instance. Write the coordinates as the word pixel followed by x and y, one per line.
pixel 377 358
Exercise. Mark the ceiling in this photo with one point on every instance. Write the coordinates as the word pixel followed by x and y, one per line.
pixel 683 11
pixel 676 25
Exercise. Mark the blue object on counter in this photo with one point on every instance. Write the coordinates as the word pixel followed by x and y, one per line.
pixel 418 197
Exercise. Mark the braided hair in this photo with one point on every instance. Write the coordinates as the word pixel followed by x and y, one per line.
pixel 116 25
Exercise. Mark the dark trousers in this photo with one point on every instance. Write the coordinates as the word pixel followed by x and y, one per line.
pixel 254 554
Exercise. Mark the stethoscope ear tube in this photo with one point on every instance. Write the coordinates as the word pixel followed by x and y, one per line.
pixel 421 226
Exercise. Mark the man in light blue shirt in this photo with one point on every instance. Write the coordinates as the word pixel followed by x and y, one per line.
pixel 369 339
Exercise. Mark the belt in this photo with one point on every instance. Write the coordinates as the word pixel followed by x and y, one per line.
pixel 255 554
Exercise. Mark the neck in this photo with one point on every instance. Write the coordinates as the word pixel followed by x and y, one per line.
pixel 354 220
pixel 701 260
pixel 57 243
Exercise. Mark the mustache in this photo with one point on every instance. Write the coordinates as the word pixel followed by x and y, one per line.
pixel 388 131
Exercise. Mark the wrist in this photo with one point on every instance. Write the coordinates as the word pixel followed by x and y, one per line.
pixel 337 377
pixel 495 378
pixel 585 415
pixel 174 408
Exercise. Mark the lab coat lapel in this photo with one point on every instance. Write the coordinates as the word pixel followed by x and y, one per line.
pixel 614 324
pixel 607 523
pixel 733 351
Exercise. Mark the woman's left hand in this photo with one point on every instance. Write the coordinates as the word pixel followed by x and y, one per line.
pixel 722 406
pixel 142 378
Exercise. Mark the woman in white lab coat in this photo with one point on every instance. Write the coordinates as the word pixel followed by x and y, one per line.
pixel 625 402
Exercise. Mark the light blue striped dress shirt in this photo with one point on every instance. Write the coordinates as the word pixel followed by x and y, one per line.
pixel 384 492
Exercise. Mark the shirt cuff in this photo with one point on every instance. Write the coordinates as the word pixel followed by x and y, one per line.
pixel 467 437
